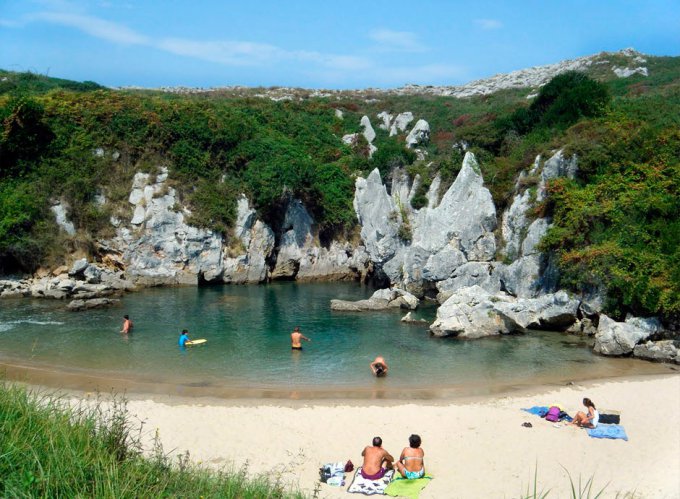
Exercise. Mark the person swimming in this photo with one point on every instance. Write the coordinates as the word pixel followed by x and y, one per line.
pixel 184 338
pixel 379 366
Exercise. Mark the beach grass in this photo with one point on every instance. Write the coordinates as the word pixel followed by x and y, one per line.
pixel 581 490
pixel 49 448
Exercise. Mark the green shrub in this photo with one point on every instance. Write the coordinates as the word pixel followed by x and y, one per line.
pixel 49 448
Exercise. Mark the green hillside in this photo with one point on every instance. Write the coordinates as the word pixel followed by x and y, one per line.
pixel 617 226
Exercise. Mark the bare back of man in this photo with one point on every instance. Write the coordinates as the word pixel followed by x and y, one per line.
pixel 374 458
pixel 296 338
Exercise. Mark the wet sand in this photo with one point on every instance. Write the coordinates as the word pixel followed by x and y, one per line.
pixel 89 380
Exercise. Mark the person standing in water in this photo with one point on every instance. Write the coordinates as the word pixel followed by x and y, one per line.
pixel 379 366
pixel 127 325
pixel 184 338
pixel 295 339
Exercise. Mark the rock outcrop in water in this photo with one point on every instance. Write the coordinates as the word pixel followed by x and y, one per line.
pixel 473 312
pixel 382 299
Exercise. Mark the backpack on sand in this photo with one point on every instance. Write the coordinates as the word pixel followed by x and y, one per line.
pixel 553 414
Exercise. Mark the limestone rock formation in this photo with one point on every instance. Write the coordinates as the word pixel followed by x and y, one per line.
pixel 469 274
pixel 378 217
pixel 385 120
pixel 400 123
pixel 617 338
pixel 256 239
pixel 78 305
pixel 472 312
pixel 551 311
pixel 300 257
pixel 419 134
pixel 663 351
pixel 60 216
pixel 465 217
pixel 161 248
pixel 459 229
pixel 382 299
pixel 530 273
pixel 368 132
pixel 469 314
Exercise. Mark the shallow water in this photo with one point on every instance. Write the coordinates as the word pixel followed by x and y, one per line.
pixel 248 348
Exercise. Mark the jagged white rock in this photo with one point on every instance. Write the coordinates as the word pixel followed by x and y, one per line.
pixel 419 134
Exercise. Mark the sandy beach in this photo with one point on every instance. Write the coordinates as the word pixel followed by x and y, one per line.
pixel 473 447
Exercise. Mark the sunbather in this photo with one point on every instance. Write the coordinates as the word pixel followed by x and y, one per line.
pixel 589 420
pixel 410 464
pixel 376 461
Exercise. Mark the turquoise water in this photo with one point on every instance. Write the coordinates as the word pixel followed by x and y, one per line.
pixel 248 328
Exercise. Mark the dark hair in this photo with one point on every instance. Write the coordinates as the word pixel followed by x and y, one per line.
pixel 297 328
pixel 185 331
pixel 589 403
pixel 126 317
pixel 414 441
pixel 377 441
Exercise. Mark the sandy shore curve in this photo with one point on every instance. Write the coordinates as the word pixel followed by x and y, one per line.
pixel 474 447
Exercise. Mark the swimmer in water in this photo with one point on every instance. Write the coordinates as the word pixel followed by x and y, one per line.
pixel 295 337
pixel 379 366
pixel 127 325
pixel 184 338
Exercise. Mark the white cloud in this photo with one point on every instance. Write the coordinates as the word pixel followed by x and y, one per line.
pixel 94 26
pixel 489 23
pixel 224 52
pixel 388 39
pixel 336 69
pixel 230 53
pixel 8 23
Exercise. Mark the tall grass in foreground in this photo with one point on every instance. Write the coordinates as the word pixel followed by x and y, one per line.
pixel 51 449
pixel 584 490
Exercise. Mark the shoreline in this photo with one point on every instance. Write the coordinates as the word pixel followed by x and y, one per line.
pixel 80 380
pixel 475 447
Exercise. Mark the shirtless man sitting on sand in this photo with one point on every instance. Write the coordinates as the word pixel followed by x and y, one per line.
pixel 295 337
pixel 374 459
pixel 379 366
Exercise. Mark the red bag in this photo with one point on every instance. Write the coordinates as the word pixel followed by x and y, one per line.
pixel 349 466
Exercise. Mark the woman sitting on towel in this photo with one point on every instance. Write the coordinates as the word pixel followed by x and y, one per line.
pixel 589 420
pixel 410 464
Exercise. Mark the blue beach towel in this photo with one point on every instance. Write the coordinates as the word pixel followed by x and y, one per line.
pixel 538 410
pixel 542 410
pixel 612 431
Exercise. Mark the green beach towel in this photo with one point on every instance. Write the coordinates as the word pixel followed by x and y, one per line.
pixel 401 487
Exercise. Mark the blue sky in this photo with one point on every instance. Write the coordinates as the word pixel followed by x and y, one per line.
pixel 322 43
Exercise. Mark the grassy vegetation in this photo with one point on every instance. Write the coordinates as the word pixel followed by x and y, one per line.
pixel 49 449
pixel 615 226
pixel 582 490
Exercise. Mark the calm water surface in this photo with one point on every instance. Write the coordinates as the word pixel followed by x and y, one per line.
pixel 248 328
